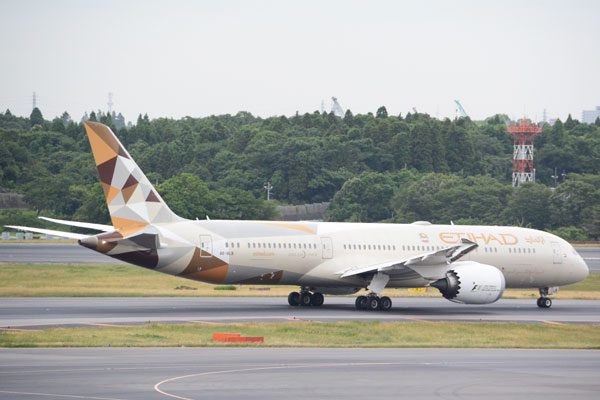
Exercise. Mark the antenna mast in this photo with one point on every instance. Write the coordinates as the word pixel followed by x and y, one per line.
pixel 268 187
pixel 523 133
pixel 110 102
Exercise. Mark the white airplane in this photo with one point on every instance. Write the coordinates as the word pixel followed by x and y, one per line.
pixel 467 264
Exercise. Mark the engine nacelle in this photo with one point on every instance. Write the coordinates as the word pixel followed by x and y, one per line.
pixel 470 282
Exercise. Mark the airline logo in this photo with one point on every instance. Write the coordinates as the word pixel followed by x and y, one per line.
pixel 503 239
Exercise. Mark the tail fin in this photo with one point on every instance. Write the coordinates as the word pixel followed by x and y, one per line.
pixel 132 201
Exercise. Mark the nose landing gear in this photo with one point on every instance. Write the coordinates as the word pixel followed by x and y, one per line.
pixel 543 301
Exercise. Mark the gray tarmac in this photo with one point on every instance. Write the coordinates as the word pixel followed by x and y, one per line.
pixel 276 373
pixel 73 253
pixel 79 311
pixel 52 253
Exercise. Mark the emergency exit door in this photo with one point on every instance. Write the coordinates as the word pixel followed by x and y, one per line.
pixel 327 246
pixel 205 246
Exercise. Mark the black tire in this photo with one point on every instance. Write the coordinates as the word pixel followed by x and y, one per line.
pixel 385 303
pixel 547 302
pixel 361 302
pixel 317 300
pixel 294 299
pixel 373 303
pixel 305 299
pixel 539 302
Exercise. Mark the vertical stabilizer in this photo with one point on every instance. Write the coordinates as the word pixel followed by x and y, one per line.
pixel 132 201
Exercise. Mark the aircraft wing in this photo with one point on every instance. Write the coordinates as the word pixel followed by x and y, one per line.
pixel 432 265
pixel 68 235
pixel 87 225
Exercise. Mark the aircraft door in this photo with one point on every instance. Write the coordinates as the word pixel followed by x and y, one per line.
pixel 205 246
pixel 327 245
pixel 556 253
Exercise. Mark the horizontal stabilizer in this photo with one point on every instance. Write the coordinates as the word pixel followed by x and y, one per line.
pixel 87 225
pixel 68 235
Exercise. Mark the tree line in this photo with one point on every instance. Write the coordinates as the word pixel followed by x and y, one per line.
pixel 372 167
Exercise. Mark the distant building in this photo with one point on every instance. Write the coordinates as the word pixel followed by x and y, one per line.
pixel 589 116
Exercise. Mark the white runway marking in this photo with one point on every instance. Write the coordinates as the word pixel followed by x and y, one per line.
pixel 291 366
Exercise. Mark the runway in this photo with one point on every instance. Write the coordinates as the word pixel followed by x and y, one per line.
pixel 73 253
pixel 275 373
pixel 47 312
pixel 51 253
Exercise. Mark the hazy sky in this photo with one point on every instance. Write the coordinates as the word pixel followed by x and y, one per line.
pixel 178 58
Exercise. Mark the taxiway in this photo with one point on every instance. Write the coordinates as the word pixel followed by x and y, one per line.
pixel 275 373
pixel 45 312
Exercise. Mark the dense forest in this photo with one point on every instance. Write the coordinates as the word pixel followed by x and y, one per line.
pixel 371 167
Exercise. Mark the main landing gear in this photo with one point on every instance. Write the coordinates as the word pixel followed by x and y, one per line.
pixel 544 301
pixel 305 298
pixel 373 302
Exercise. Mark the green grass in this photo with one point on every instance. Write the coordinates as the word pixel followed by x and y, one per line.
pixel 86 280
pixel 311 334
pixel 79 280
pixel 225 287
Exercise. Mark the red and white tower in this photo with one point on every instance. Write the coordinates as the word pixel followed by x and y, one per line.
pixel 523 133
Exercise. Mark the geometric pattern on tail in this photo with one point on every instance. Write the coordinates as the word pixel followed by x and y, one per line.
pixel 132 201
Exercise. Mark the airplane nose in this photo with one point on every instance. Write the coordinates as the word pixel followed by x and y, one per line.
pixel 581 269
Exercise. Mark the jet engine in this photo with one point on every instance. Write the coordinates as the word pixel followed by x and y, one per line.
pixel 470 282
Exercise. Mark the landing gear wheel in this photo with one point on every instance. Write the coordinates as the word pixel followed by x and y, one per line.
pixel 305 299
pixel 317 299
pixel 544 302
pixel 385 303
pixel 373 303
pixel 294 299
pixel 361 302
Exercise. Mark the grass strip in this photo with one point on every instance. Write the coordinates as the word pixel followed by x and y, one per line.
pixel 312 334
pixel 89 280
